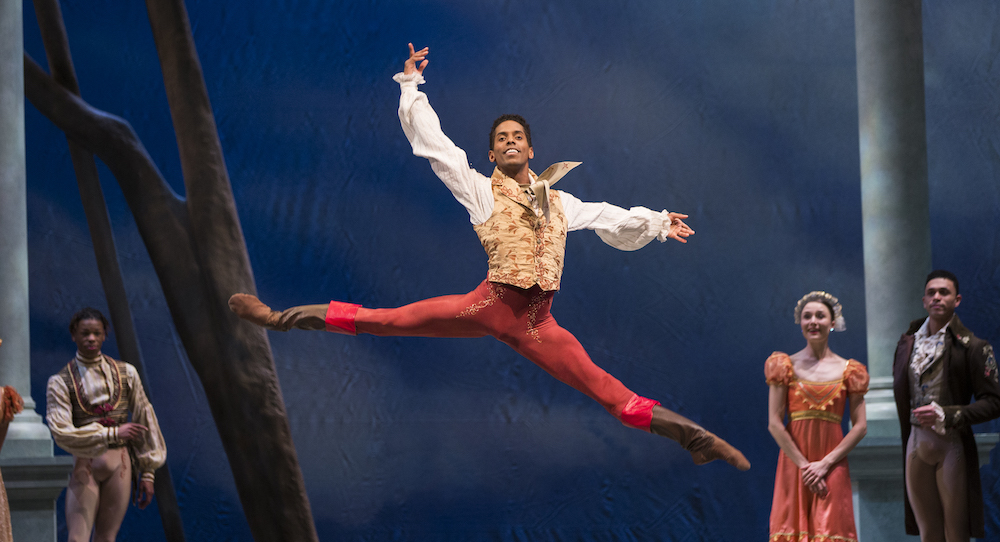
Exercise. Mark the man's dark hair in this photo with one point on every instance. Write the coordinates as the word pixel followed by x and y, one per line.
pixel 87 313
pixel 943 274
pixel 516 118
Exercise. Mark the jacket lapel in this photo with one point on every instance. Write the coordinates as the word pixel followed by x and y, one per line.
pixel 902 362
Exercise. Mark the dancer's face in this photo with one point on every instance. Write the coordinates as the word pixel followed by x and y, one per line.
pixel 510 146
pixel 940 299
pixel 816 321
pixel 89 336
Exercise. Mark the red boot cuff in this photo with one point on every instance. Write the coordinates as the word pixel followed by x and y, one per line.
pixel 638 412
pixel 340 317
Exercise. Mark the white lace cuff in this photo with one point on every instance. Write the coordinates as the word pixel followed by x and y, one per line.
pixel 664 226
pixel 413 79
pixel 938 426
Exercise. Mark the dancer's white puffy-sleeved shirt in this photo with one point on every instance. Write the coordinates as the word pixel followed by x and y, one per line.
pixel 623 229
pixel 73 414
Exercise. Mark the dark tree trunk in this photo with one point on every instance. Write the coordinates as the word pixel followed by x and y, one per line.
pixel 199 254
pixel 53 33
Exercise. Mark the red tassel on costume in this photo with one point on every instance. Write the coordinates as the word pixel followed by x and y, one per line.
pixel 340 317
pixel 638 412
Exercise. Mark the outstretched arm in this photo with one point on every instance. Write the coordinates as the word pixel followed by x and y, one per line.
pixel 423 130
pixel 623 229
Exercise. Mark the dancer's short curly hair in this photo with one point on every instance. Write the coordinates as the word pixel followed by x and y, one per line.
pixel 943 274
pixel 87 313
pixel 516 118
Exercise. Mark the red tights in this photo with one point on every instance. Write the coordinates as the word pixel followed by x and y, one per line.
pixel 521 319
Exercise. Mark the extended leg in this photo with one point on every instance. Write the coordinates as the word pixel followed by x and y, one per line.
pixel 560 354
pixel 519 318
pixel 445 316
pixel 434 317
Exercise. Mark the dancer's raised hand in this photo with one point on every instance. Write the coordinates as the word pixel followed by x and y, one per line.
pixel 417 61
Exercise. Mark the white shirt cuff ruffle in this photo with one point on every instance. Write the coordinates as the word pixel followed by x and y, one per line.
pixel 664 226
pixel 409 79
pixel 938 426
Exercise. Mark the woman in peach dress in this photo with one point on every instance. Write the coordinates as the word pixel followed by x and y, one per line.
pixel 812 486
pixel 10 404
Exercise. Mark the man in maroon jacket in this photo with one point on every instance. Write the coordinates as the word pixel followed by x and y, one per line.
pixel 938 368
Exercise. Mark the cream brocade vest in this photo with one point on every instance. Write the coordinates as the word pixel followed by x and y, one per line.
pixel 523 248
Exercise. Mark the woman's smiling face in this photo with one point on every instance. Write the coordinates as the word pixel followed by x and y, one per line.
pixel 816 321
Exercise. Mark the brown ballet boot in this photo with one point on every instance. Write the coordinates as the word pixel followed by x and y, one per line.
pixel 308 317
pixel 249 308
pixel 703 445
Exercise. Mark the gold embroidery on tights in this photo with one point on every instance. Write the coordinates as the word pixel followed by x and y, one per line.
pixel 495 294
pixel 533 306
pixel 125 457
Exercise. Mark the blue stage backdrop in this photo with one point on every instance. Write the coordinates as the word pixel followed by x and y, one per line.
pixel 742 114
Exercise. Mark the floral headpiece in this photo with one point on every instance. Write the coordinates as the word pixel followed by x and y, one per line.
pixel 830 301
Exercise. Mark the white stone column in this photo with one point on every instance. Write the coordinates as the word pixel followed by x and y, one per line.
pixel 894 193
pixel 897 239
pixel 27 436
pixel 32 475
pixel 14 370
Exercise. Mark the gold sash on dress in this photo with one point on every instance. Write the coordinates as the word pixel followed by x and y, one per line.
pixel 815 415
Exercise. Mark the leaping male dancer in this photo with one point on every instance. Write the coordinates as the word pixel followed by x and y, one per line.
pixel 523 226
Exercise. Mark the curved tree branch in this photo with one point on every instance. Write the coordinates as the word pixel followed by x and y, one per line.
pixel 158 211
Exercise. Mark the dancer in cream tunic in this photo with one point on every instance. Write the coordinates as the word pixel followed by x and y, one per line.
pixel 89 402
